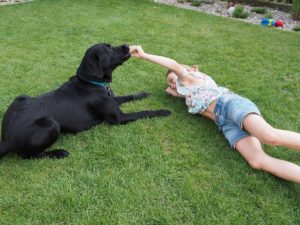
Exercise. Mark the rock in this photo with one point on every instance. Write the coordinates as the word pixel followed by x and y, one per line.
pixel 230 10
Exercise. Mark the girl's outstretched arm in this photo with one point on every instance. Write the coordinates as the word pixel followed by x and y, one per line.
pixel 168 63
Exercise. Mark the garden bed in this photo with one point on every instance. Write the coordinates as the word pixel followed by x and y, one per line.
pixel 7 2
pixel 274 5
pixel 219 8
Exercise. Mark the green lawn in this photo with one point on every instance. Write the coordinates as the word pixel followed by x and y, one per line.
pixel 175 170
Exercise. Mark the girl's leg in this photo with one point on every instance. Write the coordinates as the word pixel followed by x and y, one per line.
pixel 250 148
pixel 267 134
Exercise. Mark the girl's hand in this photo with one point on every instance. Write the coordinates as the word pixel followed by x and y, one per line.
pixel 136 51
pixel 195 68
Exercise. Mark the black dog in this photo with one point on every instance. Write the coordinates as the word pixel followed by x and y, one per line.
pixel 32 124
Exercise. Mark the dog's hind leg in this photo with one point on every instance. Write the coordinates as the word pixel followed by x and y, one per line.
pixel 3 149
pixel 127 98
pixel 42 133
pixel 57 154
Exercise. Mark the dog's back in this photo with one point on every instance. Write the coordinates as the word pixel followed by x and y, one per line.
pixel 29 121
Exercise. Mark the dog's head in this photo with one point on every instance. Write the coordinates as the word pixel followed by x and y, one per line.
pixel 100 60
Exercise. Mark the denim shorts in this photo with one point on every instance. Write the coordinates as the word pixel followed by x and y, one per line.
pixel 230 112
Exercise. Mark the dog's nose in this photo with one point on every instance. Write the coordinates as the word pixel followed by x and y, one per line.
pixel 125 48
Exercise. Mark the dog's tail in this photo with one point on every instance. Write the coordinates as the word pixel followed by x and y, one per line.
pixel 3 149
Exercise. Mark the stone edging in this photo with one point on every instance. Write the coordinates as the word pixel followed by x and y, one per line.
pixel 8 2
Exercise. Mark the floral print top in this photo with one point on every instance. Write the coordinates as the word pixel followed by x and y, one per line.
pixel 199 97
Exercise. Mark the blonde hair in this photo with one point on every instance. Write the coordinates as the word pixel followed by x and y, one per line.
pixel 168 72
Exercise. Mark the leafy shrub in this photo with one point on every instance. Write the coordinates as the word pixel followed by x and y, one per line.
pixel 240 12
pixel 268 15
pixel 259 10
pixel 209 1
pixel 297 28
pixel 196 2
pixel 296 10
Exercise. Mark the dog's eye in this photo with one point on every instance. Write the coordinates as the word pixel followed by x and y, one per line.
pixel 108 45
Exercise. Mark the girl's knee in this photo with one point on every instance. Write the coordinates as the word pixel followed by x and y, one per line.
pixel 271 137
pixel 257 162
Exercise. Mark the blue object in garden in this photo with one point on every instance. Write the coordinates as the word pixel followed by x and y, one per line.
pixel 271 23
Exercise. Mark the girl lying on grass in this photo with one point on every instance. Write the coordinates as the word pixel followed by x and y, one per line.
pixel 238 118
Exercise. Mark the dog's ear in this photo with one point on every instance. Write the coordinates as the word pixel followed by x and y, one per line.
pixel 90 68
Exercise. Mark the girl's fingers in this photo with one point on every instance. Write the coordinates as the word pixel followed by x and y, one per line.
pixel 133 48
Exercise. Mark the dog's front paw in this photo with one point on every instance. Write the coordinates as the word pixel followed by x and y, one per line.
pixel 163 112
pixel 143 95
pixel 58 153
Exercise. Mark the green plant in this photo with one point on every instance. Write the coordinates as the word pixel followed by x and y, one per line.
pixel 240 12
pixel 259 10
pixel 297 29
pixel 268 15
pixel 209 1
pixel 296 10
pixel 196 2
